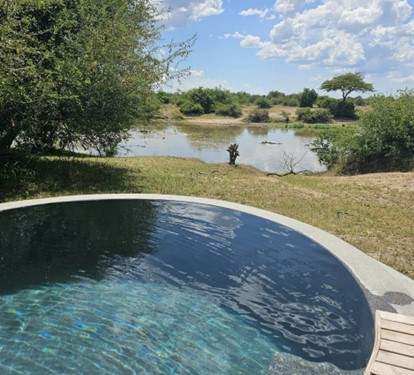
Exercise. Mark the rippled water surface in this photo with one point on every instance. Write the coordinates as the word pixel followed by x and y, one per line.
pixel 146 287
pixel 209 143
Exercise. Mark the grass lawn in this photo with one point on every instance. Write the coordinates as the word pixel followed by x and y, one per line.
pixel 373 212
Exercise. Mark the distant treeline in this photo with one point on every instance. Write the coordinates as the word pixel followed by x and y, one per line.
pixel 222 102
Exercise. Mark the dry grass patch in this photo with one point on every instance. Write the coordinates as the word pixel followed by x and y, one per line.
pixel 375 213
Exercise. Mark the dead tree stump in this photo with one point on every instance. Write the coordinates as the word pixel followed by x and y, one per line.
pixel 233 153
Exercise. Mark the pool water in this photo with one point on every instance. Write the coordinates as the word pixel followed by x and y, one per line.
pixel 161 287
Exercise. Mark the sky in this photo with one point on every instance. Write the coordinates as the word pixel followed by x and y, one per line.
pixel 286 45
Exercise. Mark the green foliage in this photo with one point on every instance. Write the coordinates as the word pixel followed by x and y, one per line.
pixel 259 115
pixel 276 97
pixel 347 83
pixel 383 141
pixel 359 100
pixel 199 97
pixel 328 146
pixel 292 100
pixel 313 116
pixel 77 72
pixel 191 109
pixel 308 98
pixel 338 108
pixel 263 103
pixel 204 100
pixel 241 97
pixel 231 110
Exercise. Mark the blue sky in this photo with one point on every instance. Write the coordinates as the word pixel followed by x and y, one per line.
pixel 287 45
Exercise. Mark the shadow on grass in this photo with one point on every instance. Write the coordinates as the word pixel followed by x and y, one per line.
pixel 28 177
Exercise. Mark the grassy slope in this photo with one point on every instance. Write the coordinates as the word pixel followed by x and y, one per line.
pixel 375 213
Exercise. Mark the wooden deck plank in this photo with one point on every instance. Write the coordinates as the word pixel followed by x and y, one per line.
pixel 384 369
pixel 396 347
pixel 397 318
pixel 396 360
pixel 397 337
pixel 393 352
pixel 397 327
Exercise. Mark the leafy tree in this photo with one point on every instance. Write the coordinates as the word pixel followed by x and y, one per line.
pixel 313 116
pixel 78 72
pixel 338 108
pixel 205 100
pixel 262 102
pixel 232 110
pixel 347 83
pixel 383 140
pixel 308 98
pixel 259 115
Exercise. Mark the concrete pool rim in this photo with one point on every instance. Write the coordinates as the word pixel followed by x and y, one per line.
pixel 384 287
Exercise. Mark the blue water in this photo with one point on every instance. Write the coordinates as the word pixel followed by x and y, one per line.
pixel 145 287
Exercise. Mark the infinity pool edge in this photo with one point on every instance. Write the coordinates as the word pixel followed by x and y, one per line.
pixel 383 286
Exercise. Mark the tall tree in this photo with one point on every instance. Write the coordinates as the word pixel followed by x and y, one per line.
pixel 78 72
pixel 308 97
pixel 347 83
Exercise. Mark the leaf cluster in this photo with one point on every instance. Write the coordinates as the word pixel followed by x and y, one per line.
pixel 77 72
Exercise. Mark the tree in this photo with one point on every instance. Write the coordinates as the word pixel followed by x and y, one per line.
pixel 382 141
pixel 308 98
pixel 78 72
pixel 347 83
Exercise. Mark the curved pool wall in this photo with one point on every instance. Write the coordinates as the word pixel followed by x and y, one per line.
pixel 384 287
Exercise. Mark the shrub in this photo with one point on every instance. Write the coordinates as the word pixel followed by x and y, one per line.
pixel 232 110
pixel 313 117
pixel 359 100
pixel 308 98
pixel 263 103
pixel 383 140
pixel 259 115
pixel 338 108
pixel 291 101
pixel 191 109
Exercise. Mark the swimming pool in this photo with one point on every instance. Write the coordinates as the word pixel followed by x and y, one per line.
pixel 169 287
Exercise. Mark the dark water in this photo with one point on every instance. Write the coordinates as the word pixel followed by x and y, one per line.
pixel 167 287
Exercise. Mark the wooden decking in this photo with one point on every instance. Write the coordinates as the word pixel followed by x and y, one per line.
pixel 393 352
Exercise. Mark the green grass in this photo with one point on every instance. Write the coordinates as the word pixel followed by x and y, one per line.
pixel 375 213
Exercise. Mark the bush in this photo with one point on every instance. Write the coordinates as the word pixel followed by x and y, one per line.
pixel 191 109
pixel 313 117
pixel 383 140
pixel 259 115
pixel 338 108
pixel 232 110
pixel 359 100
pixel 263 103
pixel 308 98
pixel 291 101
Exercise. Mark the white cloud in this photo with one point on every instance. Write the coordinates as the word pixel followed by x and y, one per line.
pixel 177 13
pixel 235 35
pixel 255 12
pixel 290 6
pixel 398 78
pixel 206 8
pixel 340 34
pixel 250 41
pixel 247 41
pixel 196 73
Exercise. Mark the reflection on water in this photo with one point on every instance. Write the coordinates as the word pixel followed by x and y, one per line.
pixel 171 285
pixel 209 143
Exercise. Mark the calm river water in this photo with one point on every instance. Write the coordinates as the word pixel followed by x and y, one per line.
pixel 209 143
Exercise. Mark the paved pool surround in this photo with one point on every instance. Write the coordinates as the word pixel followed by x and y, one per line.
pixel 385 288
